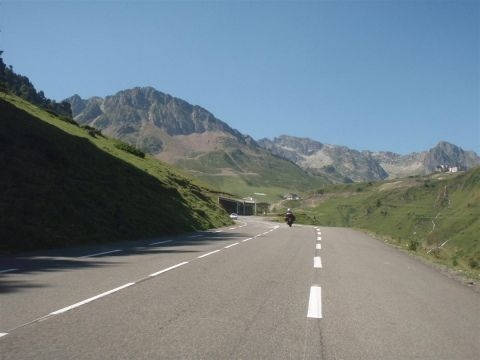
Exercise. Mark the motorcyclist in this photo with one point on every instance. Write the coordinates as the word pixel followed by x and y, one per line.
pixel 289 217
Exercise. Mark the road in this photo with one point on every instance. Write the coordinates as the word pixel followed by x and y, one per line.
pixel 256 290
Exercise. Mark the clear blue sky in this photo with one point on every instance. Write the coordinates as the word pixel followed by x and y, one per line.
pixel 394 76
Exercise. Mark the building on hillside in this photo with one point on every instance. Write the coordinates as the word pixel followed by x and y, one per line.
pixel 453 169
pixel 442 168
pixel 291 196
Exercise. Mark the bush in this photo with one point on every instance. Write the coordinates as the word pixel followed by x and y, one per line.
pixel 93 132
pixel 67 119
pixel 473 263
pixel 129 148
pixel 413 245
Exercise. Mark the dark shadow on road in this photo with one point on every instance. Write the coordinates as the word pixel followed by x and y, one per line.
pixel 63 259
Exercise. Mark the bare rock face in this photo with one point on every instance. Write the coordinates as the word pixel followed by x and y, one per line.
pixel 341 163
pixel 139 107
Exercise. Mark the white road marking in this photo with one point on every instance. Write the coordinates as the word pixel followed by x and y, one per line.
pixel 3 334
pixel 210 253
pixel 160 242
pixel 317 262
pixel 90 299
pixel 229 246
pixel 319 238
pixel 7 271
pixel 167 269
pixel 217 231
pixel 97 254
pixel 318 246
pixel 246 239
pixel 231 228
pixel 315 303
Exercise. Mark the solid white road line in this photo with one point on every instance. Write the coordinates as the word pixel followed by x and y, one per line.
pixel 318 246
pixel 246 239
pixel 160 242
pixel 97 254
pixel 7 271
pixel 167 269
pixel 90 299
pixel 319 238
pixel 229 246
pixel 210 253
pixel 317 262
pixel 315 303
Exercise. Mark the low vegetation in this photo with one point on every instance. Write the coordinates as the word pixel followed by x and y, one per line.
pixel 251 173
pixel 62 184
pixel 436 216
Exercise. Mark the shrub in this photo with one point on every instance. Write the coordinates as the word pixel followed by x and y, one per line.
pixel 129 148
pixel 413 245
pixel 473 263
pixel 93 132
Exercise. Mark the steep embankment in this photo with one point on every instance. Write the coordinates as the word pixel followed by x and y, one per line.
pixel 61 184
pixel 436 216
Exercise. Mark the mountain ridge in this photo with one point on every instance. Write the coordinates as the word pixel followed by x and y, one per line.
pixel 368 165
pixel 191 137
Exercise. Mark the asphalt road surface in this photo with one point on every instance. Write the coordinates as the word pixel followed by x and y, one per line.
pixel 256 290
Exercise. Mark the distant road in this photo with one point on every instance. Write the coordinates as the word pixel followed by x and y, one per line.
pixel 256 290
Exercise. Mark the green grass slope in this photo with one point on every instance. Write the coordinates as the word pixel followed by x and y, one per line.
pixel 252 172
pixel 61 184
pixel 437 216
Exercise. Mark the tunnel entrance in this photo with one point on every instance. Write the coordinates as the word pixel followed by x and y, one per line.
pixel 240 207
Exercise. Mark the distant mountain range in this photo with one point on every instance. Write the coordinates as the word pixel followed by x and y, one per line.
pixel 191 137
pixel 341 163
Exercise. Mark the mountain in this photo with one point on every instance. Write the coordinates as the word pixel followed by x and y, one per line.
pixel 338 163
pixel 62 184
pixel 192 138
pixel 341 163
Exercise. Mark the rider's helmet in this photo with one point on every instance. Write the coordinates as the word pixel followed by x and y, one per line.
pixel 289 210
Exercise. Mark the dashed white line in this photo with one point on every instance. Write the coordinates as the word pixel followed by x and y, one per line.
pixel 319 238
pixel 7 271
pixel 229 246
pixel 315 303
pixel 217 231
pixel 231 228
pixel 167 269
pixel 3 334
pixel 98 254
pixel 318 246
pixel 160 242
pixel 244 240
pixel 90 299
pixel 317 262
pixel 210 253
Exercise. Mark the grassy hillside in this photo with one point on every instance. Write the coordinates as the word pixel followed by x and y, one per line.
pixel 436 216
pixel 61 184
pixel 252 172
